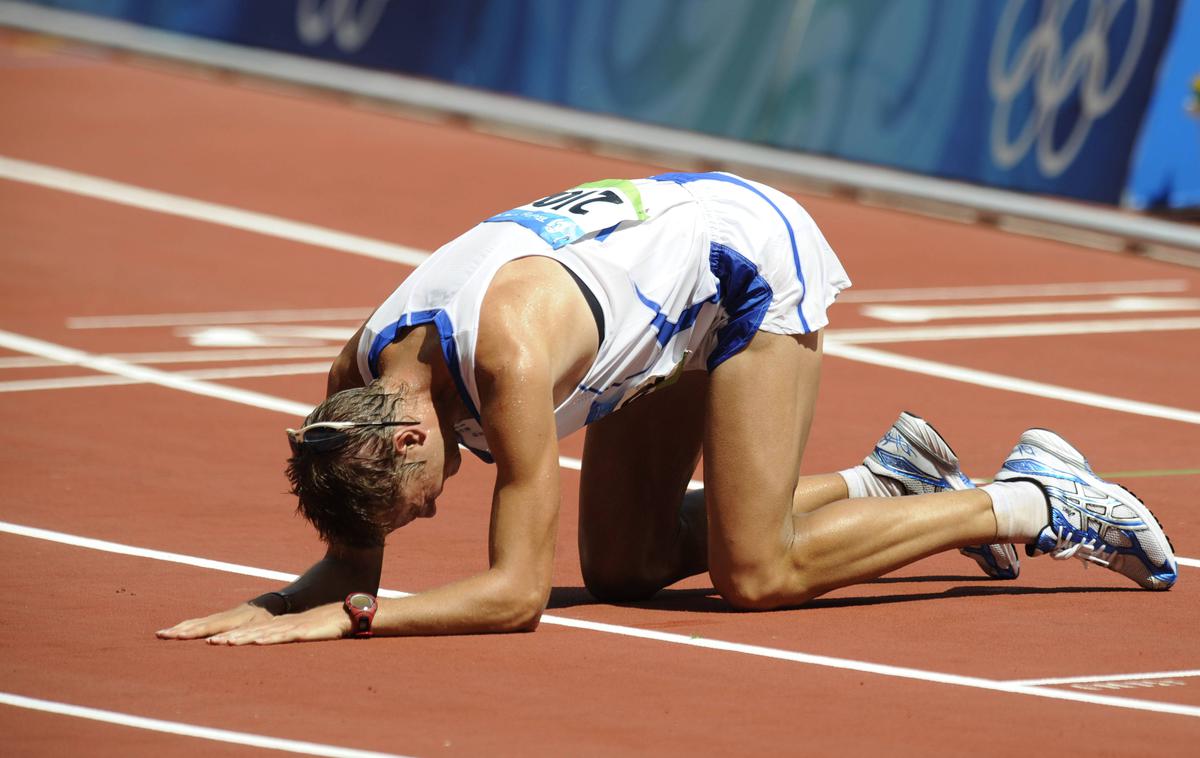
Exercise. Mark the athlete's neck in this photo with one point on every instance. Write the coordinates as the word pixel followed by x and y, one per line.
pixel 416 360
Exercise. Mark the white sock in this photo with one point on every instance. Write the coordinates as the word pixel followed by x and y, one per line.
pixel 863 482
pixel 1020 509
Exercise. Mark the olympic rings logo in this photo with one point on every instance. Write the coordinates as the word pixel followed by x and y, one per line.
pixel 350 24
pixel 1055 71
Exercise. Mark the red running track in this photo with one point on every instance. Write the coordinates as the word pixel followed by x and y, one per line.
pixel 148 466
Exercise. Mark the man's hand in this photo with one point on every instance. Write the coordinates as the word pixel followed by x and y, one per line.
pixel 192 629
pixel 325 622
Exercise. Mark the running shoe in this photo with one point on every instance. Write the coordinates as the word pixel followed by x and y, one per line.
pixel 915 455
pixel 1090 519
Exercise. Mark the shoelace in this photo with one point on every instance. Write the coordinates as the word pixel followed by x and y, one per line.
pixel 1066 548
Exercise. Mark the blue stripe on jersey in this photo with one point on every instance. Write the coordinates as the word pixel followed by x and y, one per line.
pixel 745 296
pixel 445 328
pixel 684 178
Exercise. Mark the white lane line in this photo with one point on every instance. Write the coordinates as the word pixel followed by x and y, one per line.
pixel 1110 678
pixel 1010 383
pixel 110 365
pixel 199 210
pixel 993 331
pixel 188 730
pixel 902 672
pixel 213 355
pixel 1002 291
pixel 217 317
pixel 911 314
pixel 77 382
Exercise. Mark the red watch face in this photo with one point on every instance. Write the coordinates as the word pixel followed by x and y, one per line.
pixel 361 608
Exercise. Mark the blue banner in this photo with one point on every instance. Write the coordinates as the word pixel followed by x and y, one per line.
pixel 1038 95
pixel 1166 163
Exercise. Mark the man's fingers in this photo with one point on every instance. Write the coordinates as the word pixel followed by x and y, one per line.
pixel 185 630
pixel 215 624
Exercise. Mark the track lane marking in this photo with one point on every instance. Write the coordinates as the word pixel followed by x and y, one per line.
pixel 200 210
pixel 893 334
pixel 1110 678
pixel 1002 291
pixel 1008 383
pixel 907 314
pixel 901 672
pixel 187 730
pixel 199 355
pixel 218 317
pixel 107 380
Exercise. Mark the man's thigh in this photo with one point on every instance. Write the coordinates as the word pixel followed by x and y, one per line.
pixel 760 406
pixel 636 466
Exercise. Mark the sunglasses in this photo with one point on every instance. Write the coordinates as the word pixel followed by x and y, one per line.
pixel 324 436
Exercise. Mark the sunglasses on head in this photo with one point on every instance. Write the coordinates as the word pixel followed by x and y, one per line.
pixel 330 435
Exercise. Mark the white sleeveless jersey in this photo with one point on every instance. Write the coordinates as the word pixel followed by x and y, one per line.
pixel 685 268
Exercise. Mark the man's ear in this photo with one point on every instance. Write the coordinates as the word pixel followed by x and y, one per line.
pixel 407 438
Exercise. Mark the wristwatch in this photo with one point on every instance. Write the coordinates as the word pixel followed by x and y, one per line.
pixel 361 608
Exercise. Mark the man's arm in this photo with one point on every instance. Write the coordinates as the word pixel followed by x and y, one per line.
pixel 516 394
pixel 518 412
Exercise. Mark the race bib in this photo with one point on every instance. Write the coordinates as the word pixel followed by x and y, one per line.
pixel 592 208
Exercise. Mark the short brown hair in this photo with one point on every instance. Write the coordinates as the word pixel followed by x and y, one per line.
pixel 349 493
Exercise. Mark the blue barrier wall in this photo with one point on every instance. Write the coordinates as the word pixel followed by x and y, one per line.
pixel 1035 95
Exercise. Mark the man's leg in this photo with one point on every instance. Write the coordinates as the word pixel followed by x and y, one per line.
pixel 763 550
pixel 635 537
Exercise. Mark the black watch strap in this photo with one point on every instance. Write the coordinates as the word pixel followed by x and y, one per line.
pixel 274 603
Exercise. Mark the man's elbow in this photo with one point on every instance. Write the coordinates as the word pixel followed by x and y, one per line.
pixel 522 609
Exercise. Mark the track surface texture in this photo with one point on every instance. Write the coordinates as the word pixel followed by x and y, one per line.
pixel 913 664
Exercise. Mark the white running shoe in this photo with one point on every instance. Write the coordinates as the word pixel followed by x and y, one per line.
pixel 1090 519
pixel 914 454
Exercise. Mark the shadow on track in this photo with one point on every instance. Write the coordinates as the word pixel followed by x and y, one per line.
pixel 706 600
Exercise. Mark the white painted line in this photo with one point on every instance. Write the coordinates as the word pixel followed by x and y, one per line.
pixel 338 334
pixel 1192 562
pixel 994 331
pixel 214 355
pixel 110 365
pixel 187 730
pixel 1009 383
pixel 213 213
pixel 760 651
pixel 105 546
pixel 218 317
pixel 909 314
pixel 544 118
pixel 1001 291
pixel 1110 678
pixel 78 382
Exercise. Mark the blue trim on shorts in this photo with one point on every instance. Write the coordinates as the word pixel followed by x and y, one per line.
pixel 667 329
pixel 445 328
pixel 746 298
pixel 684 178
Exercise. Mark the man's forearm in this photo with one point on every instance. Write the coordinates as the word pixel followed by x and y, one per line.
pixel 482 604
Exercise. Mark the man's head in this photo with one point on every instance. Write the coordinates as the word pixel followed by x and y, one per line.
pixel 361 468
